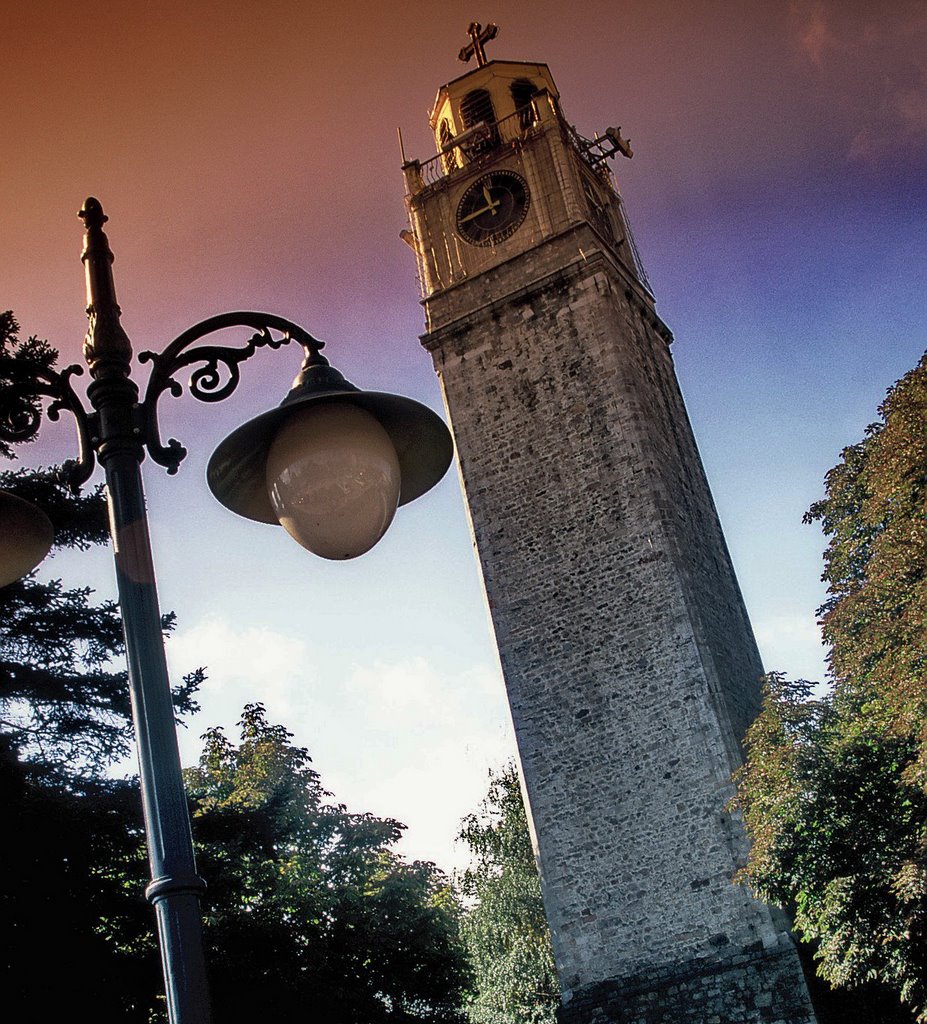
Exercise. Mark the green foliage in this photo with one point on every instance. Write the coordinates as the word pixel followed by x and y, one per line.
pixel 64 700
pixel 307 904
pixel 875 617
pixel 73 869
pixel 72 876
pixel 834 789
pixel 504 930
pixel 32 350
pixel 838 836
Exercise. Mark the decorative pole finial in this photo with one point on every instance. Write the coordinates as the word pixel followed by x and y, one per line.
pixel 478 37
pixel 92 213
pixel 106 341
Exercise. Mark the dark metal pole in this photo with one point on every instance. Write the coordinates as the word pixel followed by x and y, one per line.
pixel 119 432
pixel 175 885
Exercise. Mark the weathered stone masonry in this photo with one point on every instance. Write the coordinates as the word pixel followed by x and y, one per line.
pixel 630 665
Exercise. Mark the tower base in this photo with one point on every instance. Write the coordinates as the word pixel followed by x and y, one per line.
pixel 752 986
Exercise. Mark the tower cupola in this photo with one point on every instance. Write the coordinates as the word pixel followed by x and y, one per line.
pixel 476 112
pixel 510 173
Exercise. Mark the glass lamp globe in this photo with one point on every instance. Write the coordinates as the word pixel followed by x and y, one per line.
pixel 333 477
pixel 26 536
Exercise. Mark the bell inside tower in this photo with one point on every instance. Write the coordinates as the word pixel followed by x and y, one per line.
pixel 476 109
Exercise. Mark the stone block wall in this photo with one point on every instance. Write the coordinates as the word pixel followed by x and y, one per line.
pixel 628 658
pixel 753 986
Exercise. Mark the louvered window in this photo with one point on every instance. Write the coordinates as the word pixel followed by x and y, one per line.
pixel 476 108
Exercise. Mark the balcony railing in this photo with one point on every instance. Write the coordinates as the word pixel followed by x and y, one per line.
pixel 466 149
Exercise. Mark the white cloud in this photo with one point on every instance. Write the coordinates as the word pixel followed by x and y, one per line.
pixel 408 738
pixel 242 666
pixel 792 644
pixel 414 689
pixel 239 654
pixel 434 737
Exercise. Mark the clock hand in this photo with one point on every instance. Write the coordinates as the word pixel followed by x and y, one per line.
pixel 491 207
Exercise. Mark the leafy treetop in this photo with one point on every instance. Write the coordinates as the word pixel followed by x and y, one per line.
pixel 504 928
pixel 342 922
pixel 834 788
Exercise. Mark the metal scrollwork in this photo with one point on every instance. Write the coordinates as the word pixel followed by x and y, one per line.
pixel 19 417
pixel 22 384
pixel 219 374
pixel 216 374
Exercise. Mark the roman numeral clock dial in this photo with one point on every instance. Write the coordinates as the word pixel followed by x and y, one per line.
pixel 492 208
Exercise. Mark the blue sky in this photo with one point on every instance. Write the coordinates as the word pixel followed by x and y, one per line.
pixel 248 159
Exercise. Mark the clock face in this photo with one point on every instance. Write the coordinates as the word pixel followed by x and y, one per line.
pixel 492 208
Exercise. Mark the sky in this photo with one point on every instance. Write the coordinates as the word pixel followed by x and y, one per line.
pixel 247 157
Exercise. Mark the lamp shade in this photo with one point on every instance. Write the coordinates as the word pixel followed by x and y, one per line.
pixel 26 536
pixel 238 476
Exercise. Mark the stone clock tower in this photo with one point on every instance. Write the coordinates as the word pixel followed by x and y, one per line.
pixel 630 665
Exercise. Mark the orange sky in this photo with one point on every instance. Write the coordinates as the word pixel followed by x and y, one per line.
pixel 248 151
pixel 247 157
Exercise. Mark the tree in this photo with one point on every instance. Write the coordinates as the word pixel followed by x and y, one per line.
pixel 73 862
pixel 33 350
pixel 308 907
pixel 64 699
pixel 504 930
pixel 875 616
pixel 834 788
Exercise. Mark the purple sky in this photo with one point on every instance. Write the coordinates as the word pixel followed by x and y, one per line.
pixel 247 157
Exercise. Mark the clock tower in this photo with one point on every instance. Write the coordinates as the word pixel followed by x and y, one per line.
pixel 629 662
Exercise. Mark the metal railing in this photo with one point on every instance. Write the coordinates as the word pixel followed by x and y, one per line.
pixel 485 140
pixel 466 149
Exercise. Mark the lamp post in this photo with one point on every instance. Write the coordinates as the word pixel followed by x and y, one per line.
pixel 331 464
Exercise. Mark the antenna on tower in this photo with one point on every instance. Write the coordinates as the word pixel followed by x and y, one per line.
pixel 604 147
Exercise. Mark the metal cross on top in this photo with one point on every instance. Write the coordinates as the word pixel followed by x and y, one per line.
pixel 478 36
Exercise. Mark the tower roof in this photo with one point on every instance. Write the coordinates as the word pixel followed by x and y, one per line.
pixel 491 71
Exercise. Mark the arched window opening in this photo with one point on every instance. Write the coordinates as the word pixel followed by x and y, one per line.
pixel 523 92
pixel 476 108
pixel 448 158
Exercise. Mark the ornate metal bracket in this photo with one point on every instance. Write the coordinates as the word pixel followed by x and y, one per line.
pixel 120 422
pixel 21 383
pixel 217 376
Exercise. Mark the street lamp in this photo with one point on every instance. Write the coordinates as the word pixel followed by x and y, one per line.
pixel 330 464
pixel 26 539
